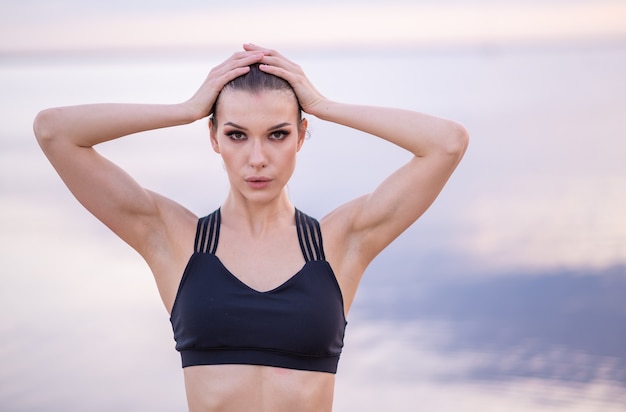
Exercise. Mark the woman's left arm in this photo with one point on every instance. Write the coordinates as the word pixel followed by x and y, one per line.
pixel 365 226
pixel 437 146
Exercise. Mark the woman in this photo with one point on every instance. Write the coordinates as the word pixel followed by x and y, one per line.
pixel 258 291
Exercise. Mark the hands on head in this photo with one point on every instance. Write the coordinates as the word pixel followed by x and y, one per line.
pixel 271 62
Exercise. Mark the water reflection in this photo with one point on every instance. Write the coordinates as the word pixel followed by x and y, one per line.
pixel 580 309
pixel 554 340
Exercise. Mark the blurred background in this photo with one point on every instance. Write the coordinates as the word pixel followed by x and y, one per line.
pixel 507 295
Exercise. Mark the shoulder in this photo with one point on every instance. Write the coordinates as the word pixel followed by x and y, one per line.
pixel 342 223
pixel 171 232
pixel 346 240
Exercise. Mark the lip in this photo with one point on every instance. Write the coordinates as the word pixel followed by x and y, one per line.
pixel 258 182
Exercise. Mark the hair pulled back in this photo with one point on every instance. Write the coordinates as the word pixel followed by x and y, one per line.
pixel 254 81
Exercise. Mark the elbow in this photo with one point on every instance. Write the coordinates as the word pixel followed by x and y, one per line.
pixel 457 140
pixel 43 127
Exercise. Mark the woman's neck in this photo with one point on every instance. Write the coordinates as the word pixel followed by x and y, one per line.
pixel 257 218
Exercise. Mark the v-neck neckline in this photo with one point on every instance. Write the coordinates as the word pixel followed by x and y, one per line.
pixel 289 280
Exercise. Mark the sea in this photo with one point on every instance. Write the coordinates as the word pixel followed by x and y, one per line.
pixel 506 295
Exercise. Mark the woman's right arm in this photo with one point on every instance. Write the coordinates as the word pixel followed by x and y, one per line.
pixel 67 135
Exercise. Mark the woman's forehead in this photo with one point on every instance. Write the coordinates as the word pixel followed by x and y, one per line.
pixel 239 103
pixel 277 95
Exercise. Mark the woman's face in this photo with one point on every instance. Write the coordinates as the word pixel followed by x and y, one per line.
pixel 258 135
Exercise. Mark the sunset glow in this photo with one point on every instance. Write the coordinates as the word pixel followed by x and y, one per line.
pixel 321 26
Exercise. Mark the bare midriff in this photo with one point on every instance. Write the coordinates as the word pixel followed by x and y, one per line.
pixel 226 388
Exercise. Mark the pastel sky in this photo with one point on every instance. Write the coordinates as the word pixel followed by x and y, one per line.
pixel 37 25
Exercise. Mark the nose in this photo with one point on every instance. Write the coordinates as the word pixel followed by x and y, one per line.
pixel 258 157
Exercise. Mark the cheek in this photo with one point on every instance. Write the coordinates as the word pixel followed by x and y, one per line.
pixel 223 152
pixel 228 158
pixel 288 162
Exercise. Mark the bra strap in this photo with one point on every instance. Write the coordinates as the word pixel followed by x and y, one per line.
pixel 310 237
pixel 208 233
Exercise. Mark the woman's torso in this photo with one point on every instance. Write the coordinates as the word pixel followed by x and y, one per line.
pixel 225 388
pixel 256 387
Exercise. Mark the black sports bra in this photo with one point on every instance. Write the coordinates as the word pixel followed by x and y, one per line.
pixel 218 319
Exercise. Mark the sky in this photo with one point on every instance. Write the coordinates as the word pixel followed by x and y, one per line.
pixel 37 25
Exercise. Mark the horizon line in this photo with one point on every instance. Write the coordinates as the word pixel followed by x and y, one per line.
pixel 198 51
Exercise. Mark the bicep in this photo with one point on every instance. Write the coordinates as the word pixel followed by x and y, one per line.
pixel 381 216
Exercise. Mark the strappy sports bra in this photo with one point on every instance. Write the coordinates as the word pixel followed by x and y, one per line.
pixel 218 319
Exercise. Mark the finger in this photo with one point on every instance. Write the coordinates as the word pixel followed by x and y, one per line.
pixel 277 60
pixel 237 61
pixel 264 50
pixel 281 67
pixel 292 78
pixel 233 74
pixel 254 47
pixel 244 58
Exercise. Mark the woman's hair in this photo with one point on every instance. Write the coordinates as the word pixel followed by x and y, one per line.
pixel 255 81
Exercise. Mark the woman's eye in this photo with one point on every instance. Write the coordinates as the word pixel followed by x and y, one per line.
pixel 236 135
pixel 279 134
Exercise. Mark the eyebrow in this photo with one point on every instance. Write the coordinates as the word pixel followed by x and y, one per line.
pixel 278 126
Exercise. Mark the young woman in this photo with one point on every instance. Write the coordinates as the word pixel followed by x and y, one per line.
pixel 258 291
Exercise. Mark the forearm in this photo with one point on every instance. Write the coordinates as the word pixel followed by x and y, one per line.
pixel 88 125
pixel 418 133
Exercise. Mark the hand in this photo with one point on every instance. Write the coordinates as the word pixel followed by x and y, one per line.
pixel 274 63
pixel 201 104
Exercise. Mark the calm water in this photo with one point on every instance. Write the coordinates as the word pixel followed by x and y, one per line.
pixel 507 295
